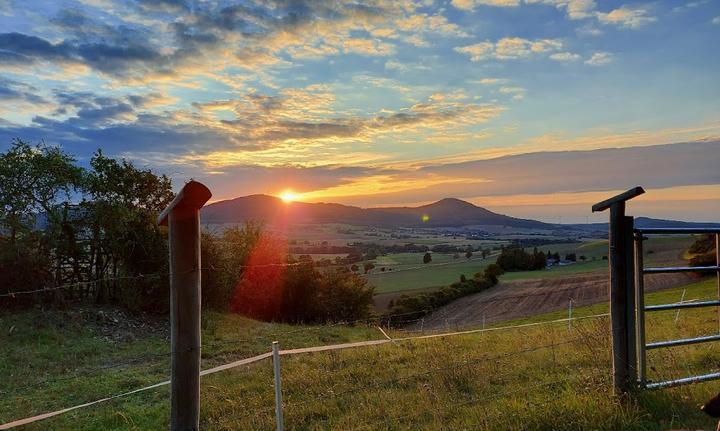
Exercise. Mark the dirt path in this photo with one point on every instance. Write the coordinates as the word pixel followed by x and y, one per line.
pixel 522 298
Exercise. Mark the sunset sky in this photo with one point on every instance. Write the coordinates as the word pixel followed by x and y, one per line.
pixel 534 108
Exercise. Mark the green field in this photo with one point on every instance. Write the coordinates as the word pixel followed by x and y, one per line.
pixel 414 275
pixel 408 271
pixel 545 377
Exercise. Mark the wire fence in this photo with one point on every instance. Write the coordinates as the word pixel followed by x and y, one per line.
pixel 595 343
pixel 307 398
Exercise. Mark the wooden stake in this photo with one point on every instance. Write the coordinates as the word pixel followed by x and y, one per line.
pixel 183 219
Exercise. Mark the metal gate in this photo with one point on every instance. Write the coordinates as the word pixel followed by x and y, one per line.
pixel 642 347
pixel 627 296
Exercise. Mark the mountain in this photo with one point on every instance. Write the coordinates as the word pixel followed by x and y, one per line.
pixel 446 212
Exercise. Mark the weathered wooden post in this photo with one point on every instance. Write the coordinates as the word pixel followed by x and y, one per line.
pixel 622 302
pixel 182 217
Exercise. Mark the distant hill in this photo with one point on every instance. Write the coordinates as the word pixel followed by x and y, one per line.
pixel 645 222
pixel 448 212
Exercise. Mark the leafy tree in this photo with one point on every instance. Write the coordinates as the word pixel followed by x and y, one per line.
pixel 571 257
pixel 493 272
pixel 122 203
pixel 368 266
pixel 36 180
pixel 35 213
pixel 427 258
pixel 517 259
pixel 354 268
pixel 468 254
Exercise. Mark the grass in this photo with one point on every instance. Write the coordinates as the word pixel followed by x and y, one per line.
pixel 537 378
pixel 408 271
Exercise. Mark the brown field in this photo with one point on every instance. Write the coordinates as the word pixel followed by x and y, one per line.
pixel 521 298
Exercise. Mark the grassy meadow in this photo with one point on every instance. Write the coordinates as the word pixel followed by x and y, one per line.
pixel 409 273
pixel 537 378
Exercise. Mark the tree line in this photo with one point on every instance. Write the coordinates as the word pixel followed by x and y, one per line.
pixel 93 230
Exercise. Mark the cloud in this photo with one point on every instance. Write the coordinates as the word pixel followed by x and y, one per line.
pixel 565 56
pixel 716 20
pixel 654 167
pixel 478 51
pixel 627 17
pixel 517 93
pixel 424 23
pixel 472 4
pixel 600 59
pixel 167 39
pixel 605 169
pixel 368 47
pixel 509 48
pixel 14 91
pixel 295 122
pixel 491 81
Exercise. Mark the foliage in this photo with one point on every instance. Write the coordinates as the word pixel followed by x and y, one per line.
pixel 91 227
pixel 427 257
pixel 274 289
pixel 703 251
pixel 517 259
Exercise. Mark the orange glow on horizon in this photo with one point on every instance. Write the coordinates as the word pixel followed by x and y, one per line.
pixel 288 196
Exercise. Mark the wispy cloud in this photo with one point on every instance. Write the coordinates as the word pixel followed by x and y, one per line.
pixel 600 59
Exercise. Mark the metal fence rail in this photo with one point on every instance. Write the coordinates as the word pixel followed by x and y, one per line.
pixel 640 235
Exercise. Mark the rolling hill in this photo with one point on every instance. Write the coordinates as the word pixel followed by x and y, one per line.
pixel 446 212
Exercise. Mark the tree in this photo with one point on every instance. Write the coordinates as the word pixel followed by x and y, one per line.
pixel 368 266
pixel 485 253
pixel 468 254
pixel 702 251
pixel 583 258
pixel 354 268
pixel 427 258
pixel 122 203
pixel 36 180
pixel 493 272
pixel 517 259
pixel 571 257
pixel 36 215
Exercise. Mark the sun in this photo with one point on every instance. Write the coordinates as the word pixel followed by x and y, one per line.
pixel 288 196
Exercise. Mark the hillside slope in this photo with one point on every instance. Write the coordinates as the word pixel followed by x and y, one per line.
pixel 446 212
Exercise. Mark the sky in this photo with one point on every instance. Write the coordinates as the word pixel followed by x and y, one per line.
pixel 534 108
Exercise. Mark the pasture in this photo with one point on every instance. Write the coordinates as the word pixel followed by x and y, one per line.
pixel 542 377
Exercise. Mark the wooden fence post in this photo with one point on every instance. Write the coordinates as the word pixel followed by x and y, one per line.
pixel 182 217
pixel 622 304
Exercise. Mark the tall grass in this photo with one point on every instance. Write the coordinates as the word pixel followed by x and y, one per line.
pixel 545 377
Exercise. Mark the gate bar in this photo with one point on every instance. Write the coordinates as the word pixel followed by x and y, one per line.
pixel 668 269
pixel 640 308
pixel 677 230
pixel 682 342
pixel 679 305
pixel 683 381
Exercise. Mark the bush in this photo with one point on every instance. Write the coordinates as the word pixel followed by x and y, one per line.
pixel 298 293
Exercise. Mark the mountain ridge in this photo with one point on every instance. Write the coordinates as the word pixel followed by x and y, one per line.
pixel 445 212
